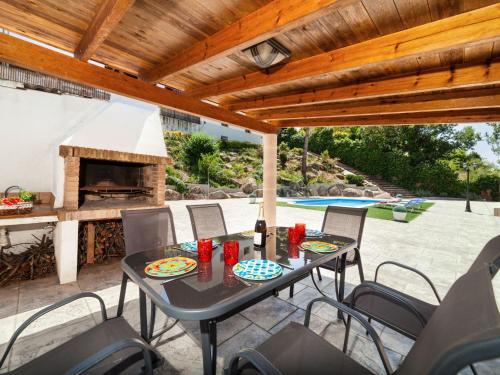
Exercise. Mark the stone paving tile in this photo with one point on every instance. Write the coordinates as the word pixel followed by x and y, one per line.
pixel 446 228
pixel 250 337
pixel 225 330
pixel 285 293
pixel 9 295
pixel 316 324
pixel 269 312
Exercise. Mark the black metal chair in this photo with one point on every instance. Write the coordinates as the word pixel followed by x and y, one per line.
pixel 207 220
pixel 400 311
pixel 464 329
pixel 145 230
pixel 347 222
pixel 111 347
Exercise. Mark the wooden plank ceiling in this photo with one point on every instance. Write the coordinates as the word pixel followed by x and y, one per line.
pixel 352 61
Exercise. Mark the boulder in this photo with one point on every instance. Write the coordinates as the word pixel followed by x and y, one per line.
pixel 194 196
pixel 259 193
pixel 249 185
pixel 172 195
pixel 247 169
pixel 340 176
pixel 371 193
pixel 238 194
pixel 335 191
pixel 322 190
pixel 352 192
pixel 383 195
pixel 219 194
pixel 196 190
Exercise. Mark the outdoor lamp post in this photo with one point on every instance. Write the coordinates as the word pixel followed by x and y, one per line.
pixel 467 168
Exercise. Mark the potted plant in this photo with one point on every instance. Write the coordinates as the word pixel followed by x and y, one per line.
pixel 399 213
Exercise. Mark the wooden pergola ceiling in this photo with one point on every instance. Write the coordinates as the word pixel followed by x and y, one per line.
pixel 354 62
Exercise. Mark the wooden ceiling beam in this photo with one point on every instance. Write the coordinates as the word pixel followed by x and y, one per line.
pixel 443 117
pixel 272 19
pixel 491 100
pixel 107 17
pixel 31 56
pixel 427 82
pixel 463 30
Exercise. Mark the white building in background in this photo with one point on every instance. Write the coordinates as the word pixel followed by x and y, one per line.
pixel 177 121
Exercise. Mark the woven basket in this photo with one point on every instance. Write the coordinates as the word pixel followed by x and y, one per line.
pixel 16 209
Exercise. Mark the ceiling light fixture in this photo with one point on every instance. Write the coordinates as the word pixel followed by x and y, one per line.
pixel 267 53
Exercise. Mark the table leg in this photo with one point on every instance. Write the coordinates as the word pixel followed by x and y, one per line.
pixel 342 281
pixel 143 315
pixel 209 346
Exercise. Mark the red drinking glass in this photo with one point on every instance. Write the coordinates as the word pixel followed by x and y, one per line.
pixel 204 272
pixel 293 236
pixel 301 228
pixel 293 251
pixel 231 252
pixel 205 250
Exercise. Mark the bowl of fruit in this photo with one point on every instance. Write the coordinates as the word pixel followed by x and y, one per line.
pixel 23 204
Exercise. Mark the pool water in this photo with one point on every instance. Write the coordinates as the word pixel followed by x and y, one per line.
pixel 345 202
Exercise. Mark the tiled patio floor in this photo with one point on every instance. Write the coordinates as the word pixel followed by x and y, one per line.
pixel 443 243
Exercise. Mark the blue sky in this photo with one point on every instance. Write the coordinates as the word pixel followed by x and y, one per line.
pixel 482 147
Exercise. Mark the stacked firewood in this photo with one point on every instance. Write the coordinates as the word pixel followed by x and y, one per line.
pixel 36 261
pixel 108 241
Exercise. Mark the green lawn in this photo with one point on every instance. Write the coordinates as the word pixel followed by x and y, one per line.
pixel 377 212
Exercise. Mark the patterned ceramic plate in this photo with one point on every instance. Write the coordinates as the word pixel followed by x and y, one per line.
pixel 248 233
pixel 313 233
pixel 257 269
pixel 319 247
pixel 193 246
pixel 170 267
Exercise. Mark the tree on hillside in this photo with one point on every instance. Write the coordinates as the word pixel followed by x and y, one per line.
pixel 307 132
pixel 493 139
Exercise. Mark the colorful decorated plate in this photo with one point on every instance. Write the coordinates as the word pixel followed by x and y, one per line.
pixel 170 267
pixel 248 233
pixel 193 246
pixel 257 269
pixel 313 233
pixel 319 247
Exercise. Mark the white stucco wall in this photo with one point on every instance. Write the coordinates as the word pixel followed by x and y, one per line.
pixel 33 124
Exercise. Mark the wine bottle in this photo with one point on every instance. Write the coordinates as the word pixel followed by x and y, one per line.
pixel 259 238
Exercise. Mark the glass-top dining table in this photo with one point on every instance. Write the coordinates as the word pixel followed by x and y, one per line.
pixel 212 293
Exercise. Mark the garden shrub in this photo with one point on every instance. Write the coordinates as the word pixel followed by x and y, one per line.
pixel 195 146
pixel 227 145
pixel 180 186
pixel 355 179
pixel 487 182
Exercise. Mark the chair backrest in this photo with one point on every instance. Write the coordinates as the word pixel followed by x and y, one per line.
pixel 345 221
pixel 207 220
pixel 148 229
pixel 464 329
pixel 489 254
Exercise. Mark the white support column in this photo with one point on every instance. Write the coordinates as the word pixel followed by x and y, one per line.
pixel 66 250
pixel 270 177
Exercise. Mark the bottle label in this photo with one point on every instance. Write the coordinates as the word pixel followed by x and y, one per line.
pixel 257 239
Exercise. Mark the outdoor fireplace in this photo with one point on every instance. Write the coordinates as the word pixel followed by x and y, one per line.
pixel 104 183
pixel 99 183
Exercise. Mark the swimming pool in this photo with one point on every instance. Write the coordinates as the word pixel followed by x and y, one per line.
pixel 344 202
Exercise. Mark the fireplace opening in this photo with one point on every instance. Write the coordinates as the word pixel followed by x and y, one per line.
pixel 110 183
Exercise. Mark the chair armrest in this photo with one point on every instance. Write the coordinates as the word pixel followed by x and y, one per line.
pixel 398 298
pixel 105 352
pixel 46 310
pixel 356 315
pixel 412 270
pixel 261 363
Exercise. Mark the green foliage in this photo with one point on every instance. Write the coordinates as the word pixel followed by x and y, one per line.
pixel 209 164
pixel 226 145
pixel 283 151
pixel 355 179
pixel 180 186
pixel 467 138
pixel 493 139
pixel 292 137
pixel 325 155
pixel 195 146
pixel 487 183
